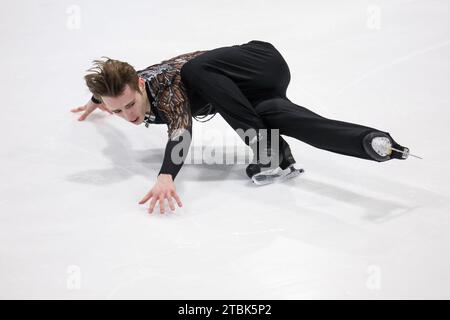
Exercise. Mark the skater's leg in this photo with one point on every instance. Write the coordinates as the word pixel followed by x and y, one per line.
pixel 232 105
pixel 328 134
pixel 233 79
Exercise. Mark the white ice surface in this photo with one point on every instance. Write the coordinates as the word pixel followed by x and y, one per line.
pixel 348 228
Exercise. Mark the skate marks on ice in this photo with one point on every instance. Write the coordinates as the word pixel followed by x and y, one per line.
pixel 187 265
pixel 375 205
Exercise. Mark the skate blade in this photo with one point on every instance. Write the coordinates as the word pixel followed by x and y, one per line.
pixel 273 176
pixel 405 153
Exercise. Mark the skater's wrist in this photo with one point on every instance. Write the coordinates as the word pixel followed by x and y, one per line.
pixel 95 100
pixel 165 177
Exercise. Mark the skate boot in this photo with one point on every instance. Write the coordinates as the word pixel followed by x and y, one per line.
pixel 381 146
pixel 277 169
pixel 276 175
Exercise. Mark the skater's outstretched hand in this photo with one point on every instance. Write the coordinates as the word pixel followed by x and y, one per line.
pixel 163 189
pixel 88 108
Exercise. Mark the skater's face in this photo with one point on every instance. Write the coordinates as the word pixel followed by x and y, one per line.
pixel 131 105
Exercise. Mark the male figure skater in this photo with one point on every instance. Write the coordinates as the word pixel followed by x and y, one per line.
pixel 246 84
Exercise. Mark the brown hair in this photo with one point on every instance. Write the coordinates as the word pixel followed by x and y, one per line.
pixel 109 78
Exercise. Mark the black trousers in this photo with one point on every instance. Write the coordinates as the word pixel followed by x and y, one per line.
pixel 247 86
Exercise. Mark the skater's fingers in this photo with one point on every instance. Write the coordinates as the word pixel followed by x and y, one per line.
pixel 78 109
pixel 87 112
pixel 171 204
pixel 177 198
pixel 146 197
pixel 152 205
pixel 161 204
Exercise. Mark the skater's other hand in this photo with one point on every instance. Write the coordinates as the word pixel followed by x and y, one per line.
pixel 88 108
pixel 163 189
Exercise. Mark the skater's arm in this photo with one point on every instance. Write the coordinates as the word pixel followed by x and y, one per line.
pixel 177 148
pixel 175 153
pixel 89 107
pixel 174 105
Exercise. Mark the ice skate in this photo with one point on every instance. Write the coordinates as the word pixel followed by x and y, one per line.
pixel 276 175
pixel 262 174
pixel 381 147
